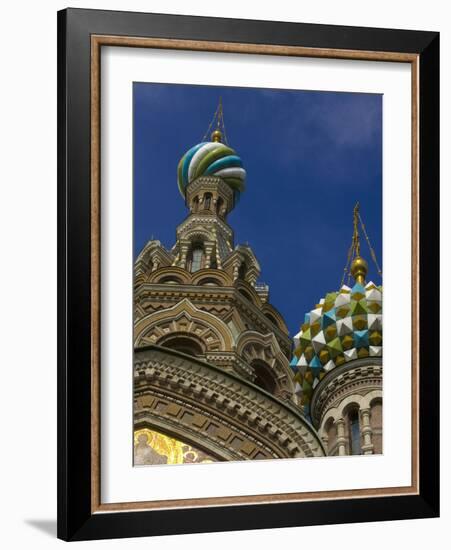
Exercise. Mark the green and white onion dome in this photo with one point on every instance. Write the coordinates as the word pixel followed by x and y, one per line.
pixel 344 326
pixel 212 158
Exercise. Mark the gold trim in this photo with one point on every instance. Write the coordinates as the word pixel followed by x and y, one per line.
pixel 95 276
pixel 254 499
pixel 262 49
pixel 415 68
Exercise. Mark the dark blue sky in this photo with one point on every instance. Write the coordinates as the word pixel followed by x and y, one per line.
pixel 309 157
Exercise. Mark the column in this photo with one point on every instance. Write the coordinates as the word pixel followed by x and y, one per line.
pixel 366 431
pixel 341 438
pixel 183 254
pixel 235 271
pixel 208 250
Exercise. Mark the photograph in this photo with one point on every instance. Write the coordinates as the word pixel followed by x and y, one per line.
pixel 243 207
pixel 257 274
pixel 228 226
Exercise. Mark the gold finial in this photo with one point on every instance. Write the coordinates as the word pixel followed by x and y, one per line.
pixel 359 270
pixel 216 136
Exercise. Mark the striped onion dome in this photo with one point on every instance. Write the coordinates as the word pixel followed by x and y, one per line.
pixel 344 326
pixel 211 158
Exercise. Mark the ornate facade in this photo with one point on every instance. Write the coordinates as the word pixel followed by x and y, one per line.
pixel 215 375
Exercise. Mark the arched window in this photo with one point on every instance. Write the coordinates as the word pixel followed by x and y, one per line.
pixel 354 432
pixel 245 294
pixel 184 345
pixel 207 201
pixel 264 376
pixel 196 204
pixel 210 281
pixel 242 271
pixel 271 319
pixel 197 258
pixel 219 204
pixel 170 280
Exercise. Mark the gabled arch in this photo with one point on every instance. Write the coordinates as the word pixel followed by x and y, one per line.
pixel 247 254
pixel 265 341
pixel 185 320
pixel 248 292
pixel 264 376
pixel 152 253
pixel 197 234
pixel 243 256
pixel 255 348
pixel 274 316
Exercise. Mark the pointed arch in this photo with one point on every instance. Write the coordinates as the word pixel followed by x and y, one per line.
pixel 186 321
pixel 262 352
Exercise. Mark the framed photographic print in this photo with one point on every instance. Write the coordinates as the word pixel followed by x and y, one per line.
pixel 248 274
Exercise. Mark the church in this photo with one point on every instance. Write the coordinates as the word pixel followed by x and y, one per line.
pixel 216 375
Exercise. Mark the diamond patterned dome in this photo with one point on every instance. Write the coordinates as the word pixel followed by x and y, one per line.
pixel 345 325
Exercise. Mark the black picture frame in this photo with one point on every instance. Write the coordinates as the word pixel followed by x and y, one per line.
pixel 76 521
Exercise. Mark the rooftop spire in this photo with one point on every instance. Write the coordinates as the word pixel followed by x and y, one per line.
pixel 217 122
pixel 355 235
pixel 359 267
pixel 213 158
pixel 356 265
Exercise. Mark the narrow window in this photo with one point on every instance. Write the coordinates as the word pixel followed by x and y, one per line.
pixel 354 432
pixel 195 204
pixel 207 201
pixel 196 262
pixel 219 204
pixel 331 438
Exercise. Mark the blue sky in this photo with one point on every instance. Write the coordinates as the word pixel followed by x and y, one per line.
pixel 309 157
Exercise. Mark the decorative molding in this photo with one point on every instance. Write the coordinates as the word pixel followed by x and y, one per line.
pixel 226 299
pixel 250 414
pixel 184 318
pixel 351 380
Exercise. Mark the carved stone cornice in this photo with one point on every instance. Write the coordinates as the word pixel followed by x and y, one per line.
pixel 152 256
pixel 207 220
pixel 210 183
pixel 354 378
pixel 205 295
pixel 215 409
